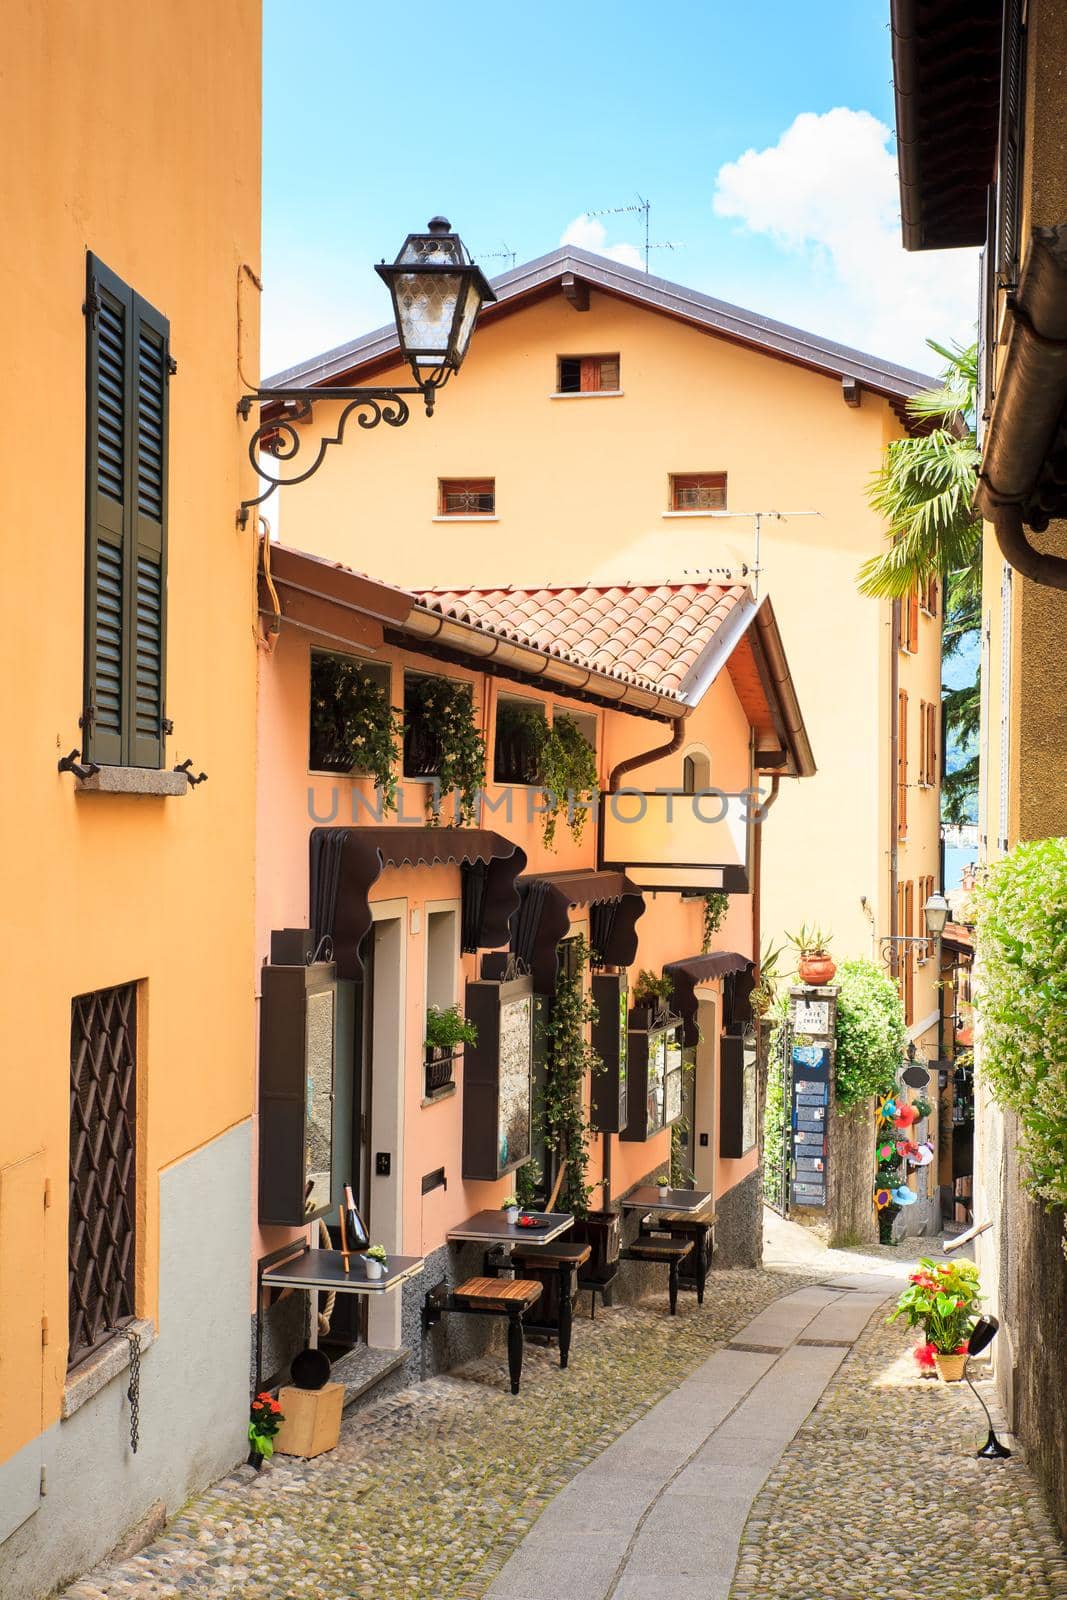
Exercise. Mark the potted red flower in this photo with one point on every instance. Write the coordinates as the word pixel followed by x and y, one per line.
pixel 942 1299
pixel 265 1419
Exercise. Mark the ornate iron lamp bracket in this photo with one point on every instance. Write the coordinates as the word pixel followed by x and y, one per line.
pixel 890 945
pixel 278 436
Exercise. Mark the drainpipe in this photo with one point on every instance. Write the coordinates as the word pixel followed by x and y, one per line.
pixel 673 745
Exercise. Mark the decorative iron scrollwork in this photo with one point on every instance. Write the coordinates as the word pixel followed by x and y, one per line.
pixel 279 437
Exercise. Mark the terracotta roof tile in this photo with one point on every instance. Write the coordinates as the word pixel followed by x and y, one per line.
pixel 651 636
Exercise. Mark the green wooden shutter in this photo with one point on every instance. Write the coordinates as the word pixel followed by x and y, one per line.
pixel 107 495
pixel 126 508
pixel 148 565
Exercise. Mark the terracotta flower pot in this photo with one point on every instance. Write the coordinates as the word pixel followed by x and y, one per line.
pixel 816 970
pixel 950 1367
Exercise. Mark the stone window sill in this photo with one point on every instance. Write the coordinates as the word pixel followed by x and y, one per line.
pixel 588 394
pixel 708 513
pixel 134 780
pixel 97 1371
pixel 475 517
pixel 438 1094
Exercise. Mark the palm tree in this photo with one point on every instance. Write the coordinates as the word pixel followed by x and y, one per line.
pixel 924 490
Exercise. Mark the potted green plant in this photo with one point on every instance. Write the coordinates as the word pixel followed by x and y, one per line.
pixel 651 998
pixel 942 1299
pixel 510 1208
pixel 663 1183
pixel 376 1261
pixel 765 993
pixel 814 962
pixel 446 1029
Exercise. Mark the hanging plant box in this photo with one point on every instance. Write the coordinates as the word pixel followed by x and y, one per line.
pixel 610 1037
pixel 654 1079
pixel 497 1078
pixel 440 1069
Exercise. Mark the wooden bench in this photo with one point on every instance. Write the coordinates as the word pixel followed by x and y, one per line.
pixel 555 1266
pixel 669 1252
pixel 693 1271
pixel 487 1297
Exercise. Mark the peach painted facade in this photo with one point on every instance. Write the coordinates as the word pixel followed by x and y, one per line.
pixel 583 493
pixel 113 124
pixel 419 1136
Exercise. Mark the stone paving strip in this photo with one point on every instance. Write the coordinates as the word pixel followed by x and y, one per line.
pixel 430 1491
pixel 880 1494
pixel 662 1510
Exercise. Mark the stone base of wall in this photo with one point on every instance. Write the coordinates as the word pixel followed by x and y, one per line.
pixel 739 1224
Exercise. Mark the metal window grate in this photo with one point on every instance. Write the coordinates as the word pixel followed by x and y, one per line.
pixel 468 497
pixel 103 1080
pixel 698 491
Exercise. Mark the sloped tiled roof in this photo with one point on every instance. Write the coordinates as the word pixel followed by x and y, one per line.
pixel 652 636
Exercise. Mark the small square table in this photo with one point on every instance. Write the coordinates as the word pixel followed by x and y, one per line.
pixel 297 1266
pixel 493 1227
pixel 650 1197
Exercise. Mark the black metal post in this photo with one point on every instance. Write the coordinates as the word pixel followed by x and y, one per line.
pixel 515 1343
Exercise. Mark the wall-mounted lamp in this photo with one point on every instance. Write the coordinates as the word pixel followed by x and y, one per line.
pixel 437 293
pixel 935 915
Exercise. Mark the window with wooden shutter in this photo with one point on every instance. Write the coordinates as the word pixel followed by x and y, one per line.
pixel 698 491
pixel 929 597
pixel 587 375
pixel 128 369
pixel 1010 145
pixel 902 764
pixel 908 930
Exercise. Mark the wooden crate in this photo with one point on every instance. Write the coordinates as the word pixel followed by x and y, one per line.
pixel 312 1420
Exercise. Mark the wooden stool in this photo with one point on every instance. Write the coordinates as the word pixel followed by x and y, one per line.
pixel 488 1297
pixel 684 1225
pixel 670 1252
pixel 555 1266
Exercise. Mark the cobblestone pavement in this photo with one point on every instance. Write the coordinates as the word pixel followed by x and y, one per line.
pixel 428 1492
pixel 880 1494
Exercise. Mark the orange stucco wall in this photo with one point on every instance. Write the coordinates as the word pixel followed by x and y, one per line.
pixel 582 492
pixel 112 130
pixel 670 928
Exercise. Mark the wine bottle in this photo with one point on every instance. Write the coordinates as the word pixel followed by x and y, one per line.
pixel 358 1237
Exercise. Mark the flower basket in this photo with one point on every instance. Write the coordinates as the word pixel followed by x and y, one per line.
pixel 950 1367
pixel 440 1069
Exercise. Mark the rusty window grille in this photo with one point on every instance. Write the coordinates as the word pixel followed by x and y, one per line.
pixel 467 497
pixel 103 1082
pixel 698 491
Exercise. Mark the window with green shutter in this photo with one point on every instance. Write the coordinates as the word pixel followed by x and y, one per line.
pixel 128 372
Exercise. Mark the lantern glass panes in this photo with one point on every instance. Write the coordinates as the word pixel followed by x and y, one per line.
pixel 437 293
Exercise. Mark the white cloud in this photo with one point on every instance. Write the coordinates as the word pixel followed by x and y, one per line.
pixel 589 234
pixel 826 194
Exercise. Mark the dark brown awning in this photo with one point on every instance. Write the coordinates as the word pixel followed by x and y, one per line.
pixel 543 919
pixel 701 969
pixel 346 863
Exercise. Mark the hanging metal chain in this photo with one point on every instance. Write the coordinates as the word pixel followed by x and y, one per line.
pixel 133 1393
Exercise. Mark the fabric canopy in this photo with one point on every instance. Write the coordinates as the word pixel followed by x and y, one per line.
pixel 736 969
pixel 345 863
pixel 543 919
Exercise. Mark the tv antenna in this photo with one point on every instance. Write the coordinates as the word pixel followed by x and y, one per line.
pixel 644 208
pixel 756 518
pixel 506 254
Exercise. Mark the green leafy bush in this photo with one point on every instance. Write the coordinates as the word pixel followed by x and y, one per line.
pixel 871 1033
pixel 1021 914
pixel 776 1114
pixel 448 1028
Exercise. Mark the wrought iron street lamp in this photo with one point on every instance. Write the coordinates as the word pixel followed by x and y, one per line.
pixel 437 293
pixel 935 915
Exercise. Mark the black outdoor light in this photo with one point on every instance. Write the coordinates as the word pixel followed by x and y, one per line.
pixel 983 1334
pixel 935 915
pixel 437 293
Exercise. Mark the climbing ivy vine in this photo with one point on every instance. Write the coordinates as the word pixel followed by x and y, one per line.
pixel 570 1056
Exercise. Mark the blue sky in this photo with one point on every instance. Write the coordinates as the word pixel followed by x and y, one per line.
pixel 518 125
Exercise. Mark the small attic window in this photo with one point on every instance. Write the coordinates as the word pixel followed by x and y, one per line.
pixel 698 491
pixel 587 375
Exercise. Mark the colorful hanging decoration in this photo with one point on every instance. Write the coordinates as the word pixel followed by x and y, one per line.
pixel 904 1196
pixel 889 1110
pixel 905 1115
pixel 882 1198
pixel 924 1154
pixel 907 1148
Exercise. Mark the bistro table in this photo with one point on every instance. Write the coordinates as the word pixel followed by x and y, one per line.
pixel 650 1197
pixel 493 1227
pixel 297 1266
